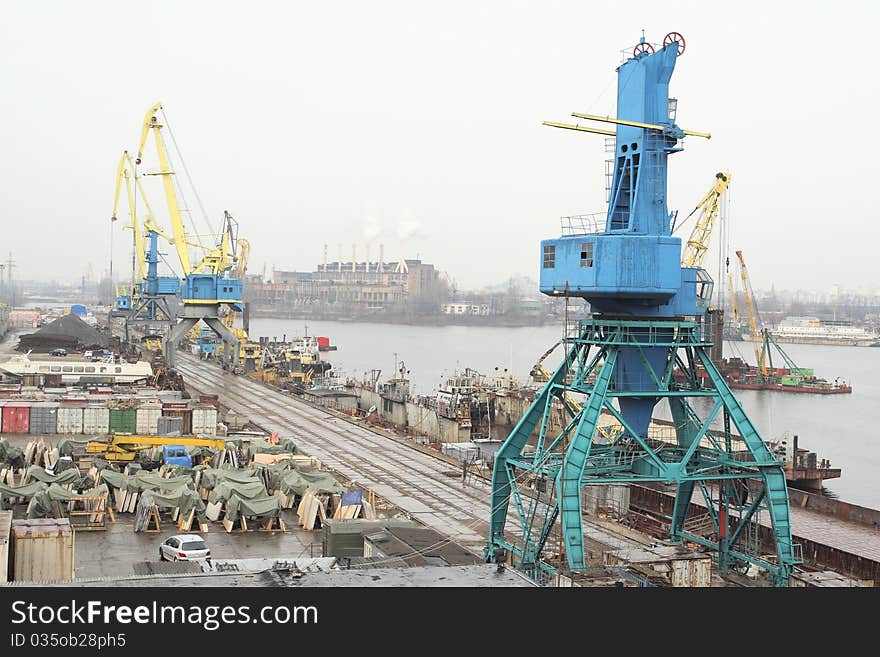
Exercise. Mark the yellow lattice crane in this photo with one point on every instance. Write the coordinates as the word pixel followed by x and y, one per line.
pixel 709 205
pixel 753 316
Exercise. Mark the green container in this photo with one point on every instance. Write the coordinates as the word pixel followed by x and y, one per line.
pixel 802 371
pixel 123 420
pixel 791 380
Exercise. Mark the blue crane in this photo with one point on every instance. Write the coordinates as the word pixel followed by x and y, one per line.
pixel 641 346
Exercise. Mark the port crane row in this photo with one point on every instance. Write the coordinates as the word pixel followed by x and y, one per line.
pixel 212 287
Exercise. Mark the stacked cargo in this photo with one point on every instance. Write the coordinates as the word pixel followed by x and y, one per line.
pixel 70 418
pixel 99 414
pixel 181 410
pixel 96 419
pixel 147 418
pixel 44 417
pixel 169 425
pixel 204 420
pixel 16 416
pixel 123 420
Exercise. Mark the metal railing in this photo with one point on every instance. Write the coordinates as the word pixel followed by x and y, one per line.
pixel 583 224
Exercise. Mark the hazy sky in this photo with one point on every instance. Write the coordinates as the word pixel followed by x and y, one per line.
pixel 328 122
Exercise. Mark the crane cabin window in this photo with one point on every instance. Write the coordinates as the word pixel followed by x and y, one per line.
pixel 549 256
pixel 587 254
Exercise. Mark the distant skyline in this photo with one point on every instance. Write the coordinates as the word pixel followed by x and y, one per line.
pixel 419 126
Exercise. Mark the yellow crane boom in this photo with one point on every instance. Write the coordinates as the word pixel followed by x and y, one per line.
pixel 753 320
pixel 126 174
pixel 151 124
pixel 698 243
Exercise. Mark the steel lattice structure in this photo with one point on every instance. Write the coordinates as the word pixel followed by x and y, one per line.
pixel 643 346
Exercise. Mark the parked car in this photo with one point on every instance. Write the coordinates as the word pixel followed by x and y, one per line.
pixel 58 352
pixel 184 547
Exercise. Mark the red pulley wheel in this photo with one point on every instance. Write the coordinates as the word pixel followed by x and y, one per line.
pixel 674 36
pixel 643 48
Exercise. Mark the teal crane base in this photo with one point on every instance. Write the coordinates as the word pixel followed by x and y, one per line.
pixel 590 425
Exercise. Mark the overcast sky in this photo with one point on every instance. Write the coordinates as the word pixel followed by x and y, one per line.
pixel 329 122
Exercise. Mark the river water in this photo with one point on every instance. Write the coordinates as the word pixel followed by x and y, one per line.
pixel 837 427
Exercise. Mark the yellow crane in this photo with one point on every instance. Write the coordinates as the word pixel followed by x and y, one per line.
pixel 698 243
pixel 733 305
pixel 125 447
pixel 218 258
pixel 753 319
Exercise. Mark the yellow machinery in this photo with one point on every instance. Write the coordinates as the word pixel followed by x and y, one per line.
pixel 247 350
pixel 753 318
pixel 125 447
pixel 698 243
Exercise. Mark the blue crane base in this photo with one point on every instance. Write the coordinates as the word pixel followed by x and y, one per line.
pixel 638 364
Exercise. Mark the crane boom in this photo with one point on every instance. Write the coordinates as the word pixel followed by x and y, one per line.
pixel 698 243
pixel 753 321
pixel 125 173
pixel 733 306
pixel 151 123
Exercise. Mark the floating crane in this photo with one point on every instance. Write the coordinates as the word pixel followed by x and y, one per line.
pixel 645 309
pixel 209 285
pixel 748 295
pixel 765 376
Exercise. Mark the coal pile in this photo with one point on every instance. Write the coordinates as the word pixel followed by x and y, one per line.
pixel 67 332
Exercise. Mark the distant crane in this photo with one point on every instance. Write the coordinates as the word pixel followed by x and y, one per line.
pixel 748 293
pixel 698 242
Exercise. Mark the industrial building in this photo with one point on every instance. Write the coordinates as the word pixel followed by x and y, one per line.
pixel 366 286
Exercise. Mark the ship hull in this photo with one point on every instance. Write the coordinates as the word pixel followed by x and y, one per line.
pixel 831 342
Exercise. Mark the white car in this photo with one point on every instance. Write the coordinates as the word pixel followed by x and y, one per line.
pixel 184 547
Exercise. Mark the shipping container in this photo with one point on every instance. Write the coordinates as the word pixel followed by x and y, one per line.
pixel 123 420
pixel 147 418
pixel 168 425
pixel 5 533
pixel 204 420
pixel 182 411
pixel 70 418
pixel 96 419
pixel 16 417
pixel 44 418
pixel 42 550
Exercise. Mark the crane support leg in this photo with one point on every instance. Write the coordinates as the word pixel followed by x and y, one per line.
pixel 228 337
pixel 173 338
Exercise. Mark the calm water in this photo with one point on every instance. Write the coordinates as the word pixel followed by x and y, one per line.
pixel 840 428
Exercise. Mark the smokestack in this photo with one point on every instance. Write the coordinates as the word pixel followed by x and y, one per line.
pixel 367 249
pixel 353 256
pixel 339 264
pixel 379 266
pixel 325 257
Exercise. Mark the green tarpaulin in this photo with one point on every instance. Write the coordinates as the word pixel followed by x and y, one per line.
pixel 299 481
pixel 260 507
pixel 9 454
pixel 226 489
pixel 261 446
pixel 144 480
pixel 212 477
pixel 183 498
pixel 70 476
pixel 40 505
